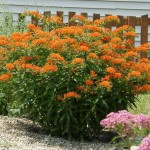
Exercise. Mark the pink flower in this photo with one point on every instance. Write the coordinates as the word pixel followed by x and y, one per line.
pixel 127 121
pixel 142 120
pixel 145 144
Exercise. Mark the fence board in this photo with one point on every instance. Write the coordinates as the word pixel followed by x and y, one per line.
pixel 96 16
pixel 71 14
pixel 121 22
pixel 60 14
pixel 144 33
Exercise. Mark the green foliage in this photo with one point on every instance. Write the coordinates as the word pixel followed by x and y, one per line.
pixel 8 26
pixel 70 78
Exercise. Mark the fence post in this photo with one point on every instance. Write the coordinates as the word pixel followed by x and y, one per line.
pixel 144 33
pixel 71 14
pixel 60 14
pixel 96 16
pixel 84 15
pixel 109 24
pixel 47 13
pixel 34 21
pixel 132 22
pixel 121 23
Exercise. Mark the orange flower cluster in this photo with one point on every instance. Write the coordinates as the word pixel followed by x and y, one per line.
pixel 88 51
pixel 53 19
pixel 103 21
pixel 71 95
pixel 105 84
pixel 144 88
pixel 5 77
pixel 78 17
pixel 92 56
pixel 78 61
pixel 47 68
pixel 35 14
pixel 89 82
pixel 93 74
pixel 111 70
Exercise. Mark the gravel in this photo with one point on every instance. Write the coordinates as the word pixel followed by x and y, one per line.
pixel 21 134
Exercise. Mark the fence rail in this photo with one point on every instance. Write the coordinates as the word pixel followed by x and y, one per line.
pixel 143 22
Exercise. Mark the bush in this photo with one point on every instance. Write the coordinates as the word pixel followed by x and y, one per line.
pixel 71 77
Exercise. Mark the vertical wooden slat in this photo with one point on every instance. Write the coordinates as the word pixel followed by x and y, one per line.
pixel 132 22
pixel 34 21
pixel 96 16
pixel 144 33
pixel 71 14
pixel 84 15
pixel 60 14
pixel 121 23
pixel 47 13
pixel 108 25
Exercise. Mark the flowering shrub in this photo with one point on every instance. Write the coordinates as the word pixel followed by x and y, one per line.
pixel 127 125
pixel 71 77
pixel 145 144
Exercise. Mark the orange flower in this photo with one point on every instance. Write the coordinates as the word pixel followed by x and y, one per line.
pixel 31 26
pixel 143 88
pixel 92 55
pixel 93 74
pixel 77 61
pixel 56 56
pixel 10 66
pixel 40 41
pixel 111 70
pixel 71 95
pixel 5 77
pixel 84 48
pixel 129 54
pixel 78 17
pixel 130 33
pixel 92 28
pixel 96 34
pixel 106 78
pixel 89 82
pixel 105 84
pixel 117 75
pixel 134 74
pixel 31 67
pixel 47 68
pixel 4 42
pixel 59 98
pixel 82 88
pixel 106 57
pixel 54 19
pixel 116 40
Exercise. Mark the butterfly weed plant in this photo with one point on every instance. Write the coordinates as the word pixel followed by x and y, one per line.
pixel 69 77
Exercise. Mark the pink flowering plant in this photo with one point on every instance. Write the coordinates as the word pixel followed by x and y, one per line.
pixel 145 144
pixel 127 126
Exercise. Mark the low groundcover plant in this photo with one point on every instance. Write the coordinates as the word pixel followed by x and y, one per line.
pixel 127 126
pixel 145 144
pixel 71 77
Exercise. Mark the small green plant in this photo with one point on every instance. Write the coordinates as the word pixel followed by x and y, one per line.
pixel 8 26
